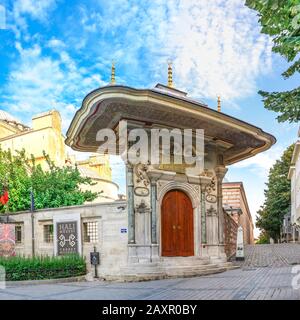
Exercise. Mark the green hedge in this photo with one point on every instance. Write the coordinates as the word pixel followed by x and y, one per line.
pixel 43 267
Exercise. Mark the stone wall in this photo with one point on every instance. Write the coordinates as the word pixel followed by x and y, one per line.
pixel 111 242
pixel 294 176
pixel 230 235
pixel 234 196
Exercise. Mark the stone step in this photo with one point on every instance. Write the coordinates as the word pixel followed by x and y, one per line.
pixel 172 267
pixel 143 268
pixel 192 272
pixel 175 269
pixel 184 272
pixel 229 266
pixel 184 261
pixel 190 267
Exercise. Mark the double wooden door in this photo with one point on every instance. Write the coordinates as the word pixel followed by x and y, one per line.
pixel 177 227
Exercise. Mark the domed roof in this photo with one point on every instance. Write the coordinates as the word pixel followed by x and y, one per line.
pixel 8 117
pixel 88 173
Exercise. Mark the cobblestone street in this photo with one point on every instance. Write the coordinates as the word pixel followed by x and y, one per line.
pixel 271 255
pixel 239 284
pixel 265 274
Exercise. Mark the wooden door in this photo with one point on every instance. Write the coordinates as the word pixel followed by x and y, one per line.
pixel 177 227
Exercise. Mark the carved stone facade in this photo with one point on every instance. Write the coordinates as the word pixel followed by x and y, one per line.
pixel 145 196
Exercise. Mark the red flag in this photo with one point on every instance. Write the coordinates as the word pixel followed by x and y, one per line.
pixel 4 198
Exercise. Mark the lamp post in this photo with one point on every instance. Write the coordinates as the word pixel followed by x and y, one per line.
pixel 32 220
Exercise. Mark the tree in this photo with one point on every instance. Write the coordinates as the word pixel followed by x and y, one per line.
pixel 263 238
pixel 281 20
pixel 277 196
pixel 54 187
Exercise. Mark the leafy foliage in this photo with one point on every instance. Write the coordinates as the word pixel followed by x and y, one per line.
pixel 54 187
pixel 277 196
pixel 263 238
pixel 281 20
pixel 43 267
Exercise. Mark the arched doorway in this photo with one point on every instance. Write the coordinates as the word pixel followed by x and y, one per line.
pixel 177 225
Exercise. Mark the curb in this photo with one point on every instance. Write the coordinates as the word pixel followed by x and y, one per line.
pixel 45 281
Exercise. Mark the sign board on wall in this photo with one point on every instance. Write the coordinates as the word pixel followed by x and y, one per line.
pixel 7 240
pixel 67 234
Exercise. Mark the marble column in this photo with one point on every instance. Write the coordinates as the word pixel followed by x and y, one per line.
pixel 153 212
pixel 220 173
pixel 203 216
pixel 130 205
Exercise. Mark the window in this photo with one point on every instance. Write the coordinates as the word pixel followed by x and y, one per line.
pixel 18 234
pixel 48 233
pixel 90 231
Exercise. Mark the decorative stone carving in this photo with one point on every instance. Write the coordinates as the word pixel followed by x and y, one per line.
pixel 160 185
pixel 142 207
pixel 191 190
pixel 220 173
pixel 206 173
pixel 141 191
pixel 211 211
pixel 210 197
pixel 141 174
pixel 196 188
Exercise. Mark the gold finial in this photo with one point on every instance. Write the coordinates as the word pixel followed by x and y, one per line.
pixel 219 104
pixel 112 76
pixel 170 74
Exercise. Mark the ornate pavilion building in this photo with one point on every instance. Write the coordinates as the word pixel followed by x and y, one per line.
pixel 175 220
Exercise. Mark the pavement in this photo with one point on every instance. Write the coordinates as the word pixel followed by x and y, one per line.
pixel 266 274
pixel 271 255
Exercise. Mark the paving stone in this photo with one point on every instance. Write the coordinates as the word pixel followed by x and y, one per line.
pixel 253 284
pixel 271 255
pixel 253 281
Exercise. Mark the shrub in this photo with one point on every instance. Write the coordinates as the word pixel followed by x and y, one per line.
pixel 43 267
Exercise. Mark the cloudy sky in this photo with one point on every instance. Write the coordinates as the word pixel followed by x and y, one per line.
pixel 53 52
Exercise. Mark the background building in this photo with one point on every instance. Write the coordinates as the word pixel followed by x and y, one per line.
pixel 294 176
pixel 236 205
pixel 289 231
pixel 46 135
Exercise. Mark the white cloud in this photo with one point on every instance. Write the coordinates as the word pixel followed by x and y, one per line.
pixel 39 82
pixel 216 46
pixel 24 9
pixel 216 49
pixel 36 9
pixel 262 162
pixel 56 44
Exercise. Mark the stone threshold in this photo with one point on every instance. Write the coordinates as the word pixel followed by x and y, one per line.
pixel 185 272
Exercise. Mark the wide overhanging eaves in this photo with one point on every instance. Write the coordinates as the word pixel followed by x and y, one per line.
pixel 106 106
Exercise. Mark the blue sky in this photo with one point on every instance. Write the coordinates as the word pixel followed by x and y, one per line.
pixel 53 52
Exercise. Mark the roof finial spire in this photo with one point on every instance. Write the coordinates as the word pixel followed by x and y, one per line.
pixel 170 74
pixel 219 104
pixel 112 76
